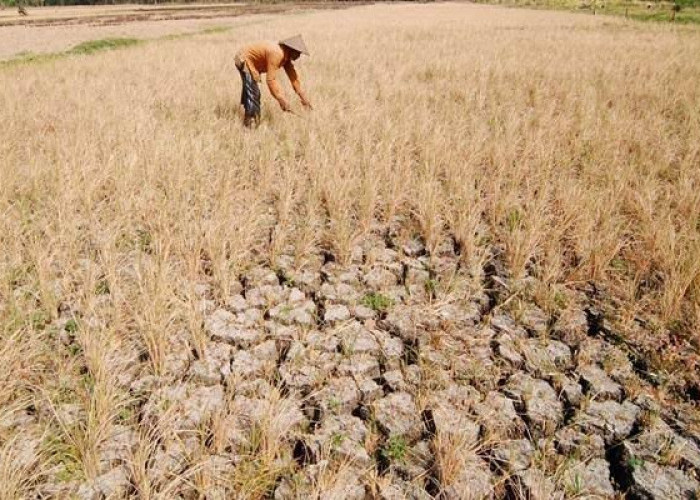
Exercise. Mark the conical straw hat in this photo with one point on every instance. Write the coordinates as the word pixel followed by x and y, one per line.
pixel 296 43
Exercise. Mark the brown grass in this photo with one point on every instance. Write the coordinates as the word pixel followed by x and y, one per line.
pixel 571 142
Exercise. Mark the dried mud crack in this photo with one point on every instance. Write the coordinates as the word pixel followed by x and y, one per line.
pixel 379 378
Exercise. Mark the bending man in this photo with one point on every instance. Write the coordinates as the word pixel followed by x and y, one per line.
pixel 268 57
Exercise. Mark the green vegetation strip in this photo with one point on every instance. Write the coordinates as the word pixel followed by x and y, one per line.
pixel 106 44
pixel 94 46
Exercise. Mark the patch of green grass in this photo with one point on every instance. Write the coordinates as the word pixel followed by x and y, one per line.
pixel 105 44
pixel 395 449
pixel 65 457
pixel 675 326
pixel 513 220
pixel 39 319
pixel 430 286
pixel 286 310
pixel 337 440
pixel 144 240
pixel 23 274
pixel 635 462
pixel 619 264
pixel 560 300
pixel 214 30
pixel 125 415
pixel 208 31
pixel 69 472
pixel 333 404
pixel 75 349
pixel 102 287
pixel 71 326
pixel 576 486
pixel 87 381
pixel 377 302
pixel 682 17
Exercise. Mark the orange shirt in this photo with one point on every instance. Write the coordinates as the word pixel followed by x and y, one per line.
pixel 268 57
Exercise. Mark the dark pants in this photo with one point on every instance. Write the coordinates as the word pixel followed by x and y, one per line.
pixel 250 96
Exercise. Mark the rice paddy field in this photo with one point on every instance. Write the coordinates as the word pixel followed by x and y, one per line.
pixel 472 271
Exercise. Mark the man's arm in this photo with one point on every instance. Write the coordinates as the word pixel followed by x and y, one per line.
pixel 296 84
pixel 274 87
pixel 253 71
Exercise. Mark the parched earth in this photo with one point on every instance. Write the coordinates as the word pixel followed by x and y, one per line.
pixel 392 377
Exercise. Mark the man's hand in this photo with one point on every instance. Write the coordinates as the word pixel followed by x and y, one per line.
pixel 285 106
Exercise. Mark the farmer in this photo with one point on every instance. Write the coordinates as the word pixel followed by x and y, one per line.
pixel 268 57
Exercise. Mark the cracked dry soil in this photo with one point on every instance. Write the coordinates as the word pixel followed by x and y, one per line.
pixel 392 377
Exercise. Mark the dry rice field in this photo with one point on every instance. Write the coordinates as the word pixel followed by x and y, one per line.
pixel 472 271
pixel 47 30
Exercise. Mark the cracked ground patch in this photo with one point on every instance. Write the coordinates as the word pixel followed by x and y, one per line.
pixel 417 400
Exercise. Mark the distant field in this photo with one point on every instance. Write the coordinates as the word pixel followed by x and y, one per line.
pixel 486 234
pixel 56 29
pixel 680 12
